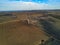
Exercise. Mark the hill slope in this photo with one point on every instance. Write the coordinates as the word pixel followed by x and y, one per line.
pixel 18 33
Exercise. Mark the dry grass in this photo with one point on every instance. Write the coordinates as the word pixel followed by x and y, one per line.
pixel 18 33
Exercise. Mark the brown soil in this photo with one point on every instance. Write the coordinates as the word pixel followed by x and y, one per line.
pixel 18 33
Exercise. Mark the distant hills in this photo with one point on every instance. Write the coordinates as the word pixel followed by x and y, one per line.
pixel 31 10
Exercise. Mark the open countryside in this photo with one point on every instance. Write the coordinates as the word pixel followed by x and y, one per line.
pixel 30 27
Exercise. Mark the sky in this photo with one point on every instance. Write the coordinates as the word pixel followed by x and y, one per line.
pixel 11 5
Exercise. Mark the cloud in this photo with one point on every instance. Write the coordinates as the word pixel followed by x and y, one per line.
pixel 23 6
pixel 26 6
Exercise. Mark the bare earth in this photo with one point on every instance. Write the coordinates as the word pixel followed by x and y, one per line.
pixel 21 34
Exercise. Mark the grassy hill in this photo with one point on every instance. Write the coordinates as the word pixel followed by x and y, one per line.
pixel 18 33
